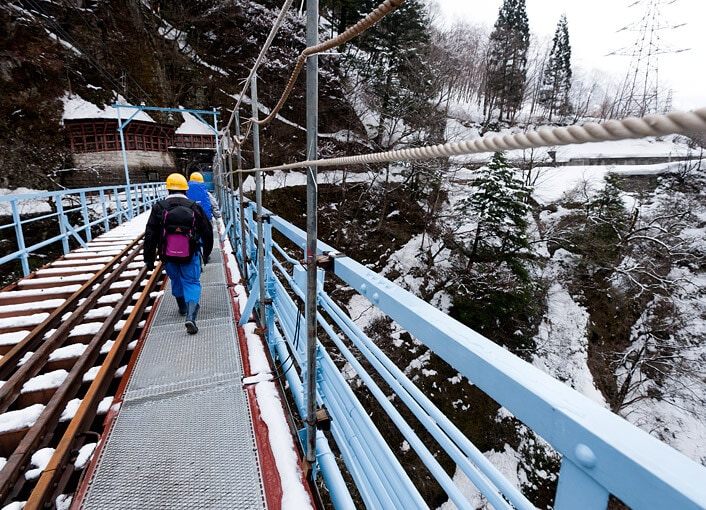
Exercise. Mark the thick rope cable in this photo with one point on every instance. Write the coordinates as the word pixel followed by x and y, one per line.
pixel 684 123
pixel 275 28
pixel 371 19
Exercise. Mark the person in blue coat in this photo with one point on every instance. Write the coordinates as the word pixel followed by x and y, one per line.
pixel 199 193
pixel 185 277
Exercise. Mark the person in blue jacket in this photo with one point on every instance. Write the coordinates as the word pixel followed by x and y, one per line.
pixel 185 277
pixel 199 193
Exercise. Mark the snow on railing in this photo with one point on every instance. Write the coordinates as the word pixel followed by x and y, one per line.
pixel 602 454
pixel 68 214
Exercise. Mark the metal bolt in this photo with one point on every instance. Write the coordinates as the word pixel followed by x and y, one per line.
pixel 585 455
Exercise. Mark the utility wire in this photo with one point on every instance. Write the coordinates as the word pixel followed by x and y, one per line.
pixel 106 48
pixel 55 27
pixel 371 19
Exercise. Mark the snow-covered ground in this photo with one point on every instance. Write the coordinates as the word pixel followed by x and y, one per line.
pixel 561 341
pixel 562 345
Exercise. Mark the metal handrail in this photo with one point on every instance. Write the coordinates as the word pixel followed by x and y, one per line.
pixel 73 214
pixel 602 453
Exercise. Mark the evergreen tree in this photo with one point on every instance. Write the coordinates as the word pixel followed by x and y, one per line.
pixel 493 291
pixel 341 13
pixel 506 67
pixel 394 65
pixel 557 75
pixel 499 207
pixel 388 68
pixel 608 221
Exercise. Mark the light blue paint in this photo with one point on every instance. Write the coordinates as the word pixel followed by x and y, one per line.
pixel 602 453
pixel 84 203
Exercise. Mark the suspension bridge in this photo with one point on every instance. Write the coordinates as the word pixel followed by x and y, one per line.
pixel 173 421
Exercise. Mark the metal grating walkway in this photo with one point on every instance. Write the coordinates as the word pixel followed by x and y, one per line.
pixel 183 438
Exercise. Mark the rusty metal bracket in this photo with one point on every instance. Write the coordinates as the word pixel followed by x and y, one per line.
pixel 323 419
pixel 326 260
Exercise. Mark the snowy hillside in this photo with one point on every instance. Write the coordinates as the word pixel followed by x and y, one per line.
pixel 670 405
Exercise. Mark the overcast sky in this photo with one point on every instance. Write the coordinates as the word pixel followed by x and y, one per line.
pixel 594 33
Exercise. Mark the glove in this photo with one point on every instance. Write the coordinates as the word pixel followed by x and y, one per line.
pixel 149 265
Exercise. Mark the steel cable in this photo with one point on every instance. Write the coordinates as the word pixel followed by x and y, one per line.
pixel 685 123
pixel 382 10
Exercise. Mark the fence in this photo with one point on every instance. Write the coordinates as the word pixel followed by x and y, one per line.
pixel 602 454
pixel 67 215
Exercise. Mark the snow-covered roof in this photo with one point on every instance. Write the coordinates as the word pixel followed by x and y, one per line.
pixel 75 108
pixel 193 126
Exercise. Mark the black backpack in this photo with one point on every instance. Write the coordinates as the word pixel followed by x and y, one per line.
pixel 179 239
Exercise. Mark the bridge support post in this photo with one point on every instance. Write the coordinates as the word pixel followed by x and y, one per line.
pixel 19 235
pixel 577 490
pixel 312 125
pixel 241 201
pixel 63 221
pixel 128 196
pixel 258 198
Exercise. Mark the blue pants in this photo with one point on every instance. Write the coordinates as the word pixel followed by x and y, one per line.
pixel 186 279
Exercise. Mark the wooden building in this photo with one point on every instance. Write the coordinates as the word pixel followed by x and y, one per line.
pixel 153 150
pixel 97 135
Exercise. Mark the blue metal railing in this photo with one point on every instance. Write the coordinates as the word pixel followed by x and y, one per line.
pixel 71 214
pixel 602 454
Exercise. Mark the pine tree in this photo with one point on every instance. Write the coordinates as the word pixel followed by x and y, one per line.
pixel 341 12
pixel 390 63
pixel 499 207
pixel 556 83
pixel 608 222
pixel 493 290
pixel 393 63
pixel 506 67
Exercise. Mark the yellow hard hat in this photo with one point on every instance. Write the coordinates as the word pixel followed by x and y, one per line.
pixel 177 182
pixel 196 176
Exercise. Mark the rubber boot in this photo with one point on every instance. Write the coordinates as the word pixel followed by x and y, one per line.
pixel 181 302
pixel 192 310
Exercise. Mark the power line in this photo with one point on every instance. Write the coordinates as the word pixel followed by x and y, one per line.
pixel 125 76
pixel 117 83
pixel 640 92
pixel 56 28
